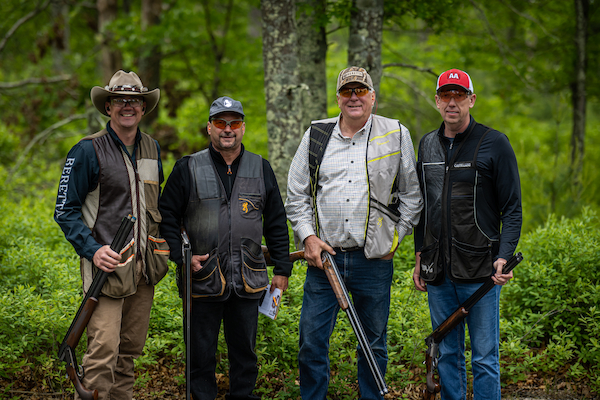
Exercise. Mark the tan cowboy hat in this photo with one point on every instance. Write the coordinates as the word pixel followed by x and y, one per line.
pixel 124 84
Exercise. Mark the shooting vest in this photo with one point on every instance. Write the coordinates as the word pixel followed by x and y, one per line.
pixel 454 239
pixel 382 167
pixel 230 231
pixel 124 188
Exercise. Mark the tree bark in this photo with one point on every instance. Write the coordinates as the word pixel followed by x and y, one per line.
pixel 364 41
pixel 149 64
pixel 111 59
pixel 282 89
pixel 579 91
pixel 312 55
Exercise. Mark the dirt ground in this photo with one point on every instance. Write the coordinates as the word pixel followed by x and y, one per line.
pixel 163 381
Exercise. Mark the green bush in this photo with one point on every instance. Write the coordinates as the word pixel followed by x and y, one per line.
pixel 552 304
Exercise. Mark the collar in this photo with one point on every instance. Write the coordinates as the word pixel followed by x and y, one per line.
pixel 365 128
pixel 460 135
pixel 113 134
pixel 218 158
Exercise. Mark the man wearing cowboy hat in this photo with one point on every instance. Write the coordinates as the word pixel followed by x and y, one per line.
pixel 108 175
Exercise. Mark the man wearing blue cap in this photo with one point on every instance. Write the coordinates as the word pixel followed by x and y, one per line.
pixel 226 198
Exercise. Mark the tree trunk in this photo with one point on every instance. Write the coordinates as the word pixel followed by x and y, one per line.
pixel 312 54
pixel 111 59
pixel 283 93
pixel 151 56
pixel 364 41
pixel 579 91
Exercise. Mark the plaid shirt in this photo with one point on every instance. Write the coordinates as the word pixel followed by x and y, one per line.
pixel 343 191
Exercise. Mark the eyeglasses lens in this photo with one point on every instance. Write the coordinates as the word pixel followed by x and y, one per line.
pixel 360 91
pixel 121 102
pixel 222 124
pixel 459 95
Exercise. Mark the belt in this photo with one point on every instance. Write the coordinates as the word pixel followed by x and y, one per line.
pixel 347 249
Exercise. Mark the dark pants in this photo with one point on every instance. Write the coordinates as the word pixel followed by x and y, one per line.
pixel 240 320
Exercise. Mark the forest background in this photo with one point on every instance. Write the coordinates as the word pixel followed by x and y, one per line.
pixel 534 65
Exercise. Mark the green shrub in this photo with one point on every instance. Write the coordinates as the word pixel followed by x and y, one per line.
pixel 552 303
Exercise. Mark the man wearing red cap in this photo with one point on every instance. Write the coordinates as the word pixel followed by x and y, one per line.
pixel 469 227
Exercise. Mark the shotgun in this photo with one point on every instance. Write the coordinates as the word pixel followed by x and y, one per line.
pixel 432 341
pixel 186 250
pixel 343 298
pixel 66 352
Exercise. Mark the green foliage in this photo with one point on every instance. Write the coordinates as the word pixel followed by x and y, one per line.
pixel 552 306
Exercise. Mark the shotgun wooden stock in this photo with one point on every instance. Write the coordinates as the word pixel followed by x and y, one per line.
pixel 294 256
pixel 341 297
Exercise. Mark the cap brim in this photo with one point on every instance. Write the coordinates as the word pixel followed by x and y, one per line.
pixel 100 96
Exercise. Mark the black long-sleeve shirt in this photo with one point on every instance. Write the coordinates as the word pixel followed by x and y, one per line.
pixel 174 200
pixel 499 178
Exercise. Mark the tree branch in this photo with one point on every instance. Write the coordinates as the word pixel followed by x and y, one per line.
pixel 20 22
pixel 414 88
pixel 499 44
pixel 40 137
pixel 420 69
pixel 34 81
pixel 530 18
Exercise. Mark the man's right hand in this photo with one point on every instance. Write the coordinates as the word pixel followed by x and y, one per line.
pixel 197 262
pixel 106 259
pixel 313 247
pixel 419 283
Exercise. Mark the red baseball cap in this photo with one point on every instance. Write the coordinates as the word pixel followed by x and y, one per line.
pixel 455 77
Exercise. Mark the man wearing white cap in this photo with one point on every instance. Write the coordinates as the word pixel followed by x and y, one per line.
pixel 469 228
pixel 353 192
pixel 108 175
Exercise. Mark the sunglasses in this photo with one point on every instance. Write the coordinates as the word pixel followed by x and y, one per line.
pixel 121 102
pixel 360 91
pixel 458 95
pixel 222 123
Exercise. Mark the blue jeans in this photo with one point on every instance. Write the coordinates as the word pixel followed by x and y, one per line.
pixel 483 322
pixel 369 282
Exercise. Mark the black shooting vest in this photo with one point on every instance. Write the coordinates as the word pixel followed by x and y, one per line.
pixel 453 241
pixel 230 231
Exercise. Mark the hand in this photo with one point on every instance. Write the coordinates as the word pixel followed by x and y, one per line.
pixel 280 282
pixel 197 262
pixel 419 283
pixel 106 259
pixel 313 247
pixel 499 278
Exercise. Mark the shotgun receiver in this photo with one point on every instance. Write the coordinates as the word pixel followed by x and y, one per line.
pixel 343 298
pixel 432 341
pixel 66 352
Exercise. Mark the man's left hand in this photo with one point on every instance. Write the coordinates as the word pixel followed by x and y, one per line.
pixel 499 278
pixel 280 282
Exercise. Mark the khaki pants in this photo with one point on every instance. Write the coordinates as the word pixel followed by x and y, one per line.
pixel 116 336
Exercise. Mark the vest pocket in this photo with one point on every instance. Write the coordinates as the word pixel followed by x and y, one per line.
pixel 431 269
pixel 471 262
pixel 254 268
pixel 209 281
pixel 250 205
pixel 157 256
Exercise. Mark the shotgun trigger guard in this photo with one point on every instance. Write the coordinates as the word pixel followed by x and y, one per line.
pixel 72 360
